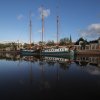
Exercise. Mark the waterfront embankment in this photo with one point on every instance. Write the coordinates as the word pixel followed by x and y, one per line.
pixel 15 51
pixel 79 52
pixel 88 52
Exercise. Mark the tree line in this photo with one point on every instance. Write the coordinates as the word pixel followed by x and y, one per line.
pixel 14 45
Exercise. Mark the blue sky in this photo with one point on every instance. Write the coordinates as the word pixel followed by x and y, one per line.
pixel 77 18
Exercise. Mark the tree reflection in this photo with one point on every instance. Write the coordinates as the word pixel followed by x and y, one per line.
pixel 64 66
pixel 10 56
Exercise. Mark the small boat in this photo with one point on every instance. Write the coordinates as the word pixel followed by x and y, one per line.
pixel 27 52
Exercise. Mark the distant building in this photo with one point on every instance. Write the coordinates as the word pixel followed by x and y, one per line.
pixel 95 45
pixel 82 44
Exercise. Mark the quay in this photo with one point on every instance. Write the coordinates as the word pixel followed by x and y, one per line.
pixel 14 51
pixel 88 52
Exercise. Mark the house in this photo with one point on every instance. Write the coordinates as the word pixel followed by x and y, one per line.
pixel 82 44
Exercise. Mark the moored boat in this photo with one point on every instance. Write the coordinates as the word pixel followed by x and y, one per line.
pixel 57 52
pixel 27 52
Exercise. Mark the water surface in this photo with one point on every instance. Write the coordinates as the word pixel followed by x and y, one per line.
pixel 29 77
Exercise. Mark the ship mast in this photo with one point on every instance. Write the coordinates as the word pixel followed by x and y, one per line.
pixel 57 29
pixel 42 25
pixel 57 26
pixel 30 26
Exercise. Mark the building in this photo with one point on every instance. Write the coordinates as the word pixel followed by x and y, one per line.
pixel 82 44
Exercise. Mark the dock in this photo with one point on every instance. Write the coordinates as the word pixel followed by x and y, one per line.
pixel 15 51
pixel 88 52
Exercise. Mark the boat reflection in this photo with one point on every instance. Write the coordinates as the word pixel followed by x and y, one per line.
pixel 51 60
pixel 43 74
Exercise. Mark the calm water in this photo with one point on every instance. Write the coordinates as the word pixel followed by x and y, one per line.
pixel 29 77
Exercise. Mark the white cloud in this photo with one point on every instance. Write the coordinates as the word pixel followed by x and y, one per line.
pixel 92 31
pixel 93 70
pixel 20 17
pixel 46 12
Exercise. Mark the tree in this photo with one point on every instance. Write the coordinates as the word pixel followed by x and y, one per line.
pixel 26 45
pixel 50 43
pixel 2 46
pixel 64 41
pixel 14 46
pixel 80 39
pixel 41 43
pixel 70 39
pixel 83 42
pixel 32 44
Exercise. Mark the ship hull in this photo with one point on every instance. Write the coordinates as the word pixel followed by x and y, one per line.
pixel 27 52
pixel 55 53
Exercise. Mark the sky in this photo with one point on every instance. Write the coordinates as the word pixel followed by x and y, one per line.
pixel 78 18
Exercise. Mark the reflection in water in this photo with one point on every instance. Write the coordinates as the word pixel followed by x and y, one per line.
pixel 90 64
pixel 51 77
pixel 83 61
pixel 9 56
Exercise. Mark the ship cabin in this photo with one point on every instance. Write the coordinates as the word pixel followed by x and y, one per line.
pixel 56 50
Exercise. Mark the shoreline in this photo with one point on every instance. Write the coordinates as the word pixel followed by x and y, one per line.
pixel 10 51
pixel 88 52
pixel 80 52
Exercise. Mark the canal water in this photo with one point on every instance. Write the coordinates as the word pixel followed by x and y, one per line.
pixel 32 78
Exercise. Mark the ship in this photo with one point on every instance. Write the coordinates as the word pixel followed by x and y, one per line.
pixel 57 50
